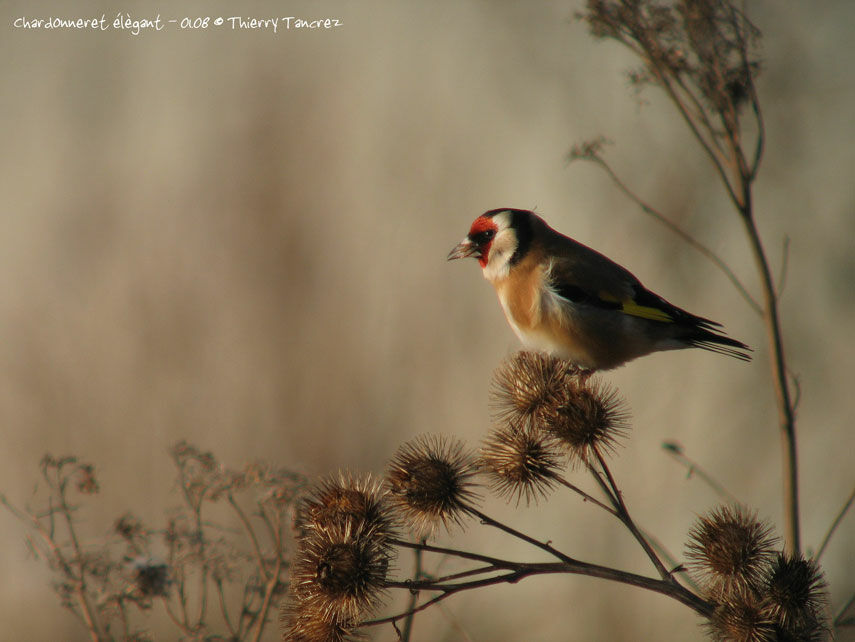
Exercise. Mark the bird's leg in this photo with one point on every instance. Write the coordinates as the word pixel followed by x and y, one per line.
pixel 583 375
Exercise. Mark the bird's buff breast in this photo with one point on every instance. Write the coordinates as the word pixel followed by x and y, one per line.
pixel 538 318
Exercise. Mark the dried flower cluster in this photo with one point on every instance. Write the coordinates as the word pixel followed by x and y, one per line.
pixel 759 595
pixel 343 557
pixel 547 413
pixel 704 44
pixel 218 583
pixel 431 483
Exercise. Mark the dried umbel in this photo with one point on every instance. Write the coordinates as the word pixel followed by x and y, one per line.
pixel 340 572
pixel 528 385
pixel 797 600
pixel 520 462
pixel 709 46
pixel 430 482
pixel 730 550
pixel 343 499
pixel 150 578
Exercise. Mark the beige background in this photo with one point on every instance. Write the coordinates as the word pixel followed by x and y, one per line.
pixel 239 238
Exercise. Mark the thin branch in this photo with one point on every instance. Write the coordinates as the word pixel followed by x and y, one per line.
pixel 718 162
pixel 224 609
pixel 785 264
pixel 80 583
pixel 623 515
pixel 476 557
pixel 585 496
pixel 510 531
pixel 462 574
pixel 839 620
pixel 846 506
pixel 695 469
pixel 414 597
pixel 786 413
pixel 523 570
pixel 256 548
pixel 676 229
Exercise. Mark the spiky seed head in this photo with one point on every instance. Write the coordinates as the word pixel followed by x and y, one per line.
pixel 590 417
pixel 345 498
pixel 730 549
pixel 528 385
pixel 797 598
pixel 340 572
pixel 741 617
pixel 520 462
pixel 430 482
pixel 301 623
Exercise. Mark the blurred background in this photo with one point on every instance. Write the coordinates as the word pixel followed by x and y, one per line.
pixel 238 238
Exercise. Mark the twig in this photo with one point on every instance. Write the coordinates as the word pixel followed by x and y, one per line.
pixel 518 571
pixel 585 496
pixel 785 263
pixel 510 531
pixel 414 597
pixel 838 619
pixel 674 227
pixel 623 515
pixel 846 506
pixel 695 469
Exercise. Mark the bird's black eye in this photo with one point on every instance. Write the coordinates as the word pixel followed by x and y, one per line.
pixel 483 237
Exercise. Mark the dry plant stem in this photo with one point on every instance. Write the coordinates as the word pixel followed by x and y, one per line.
pixel 623 515
pixel 679 231
pixel 80 579
pixel 187 631
pixel 244 520
pixel 489 521
pixel 846 506
pixel 86 610
pixel 693 468
pixel 737 176
pixel 224 609
pixel 654 543
pixel 271 579
pixel 585 496
pixel 786 414
pixel 519 570
pixel 414 597
pixel 839 620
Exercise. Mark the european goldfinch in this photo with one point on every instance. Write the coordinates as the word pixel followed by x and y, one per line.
pixel 564 298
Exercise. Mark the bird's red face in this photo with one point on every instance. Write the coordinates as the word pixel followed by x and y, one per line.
pixel 477 243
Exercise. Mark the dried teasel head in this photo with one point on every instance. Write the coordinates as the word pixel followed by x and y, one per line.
pixel 590 418
pixel 346 498
pixel 795 588
pixel 304 624
pixel 340 571
pixel 741 617
pixel 520 462
pixel 528 385
pixel 546 393
pixel 430 482
pixel 729 550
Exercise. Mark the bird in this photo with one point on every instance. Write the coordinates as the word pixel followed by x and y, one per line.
pixel 568 300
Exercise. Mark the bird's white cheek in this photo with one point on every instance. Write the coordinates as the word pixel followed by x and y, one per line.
pixel 497 266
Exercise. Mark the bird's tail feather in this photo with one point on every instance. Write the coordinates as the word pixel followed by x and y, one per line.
pixel 720 344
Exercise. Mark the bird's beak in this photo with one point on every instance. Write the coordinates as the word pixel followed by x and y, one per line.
pixel 462 250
